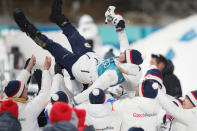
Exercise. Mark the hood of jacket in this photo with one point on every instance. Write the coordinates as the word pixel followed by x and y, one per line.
pixel 99 110
pixel 60 126
pixel 9 122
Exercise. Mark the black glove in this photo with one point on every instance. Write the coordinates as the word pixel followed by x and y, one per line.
pixel 120 26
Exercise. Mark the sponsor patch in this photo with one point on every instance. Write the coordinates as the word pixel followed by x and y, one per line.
pixel 87 45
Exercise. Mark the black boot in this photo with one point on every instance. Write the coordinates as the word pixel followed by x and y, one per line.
pixel 24 24
pixel 56 15
pixel 27 27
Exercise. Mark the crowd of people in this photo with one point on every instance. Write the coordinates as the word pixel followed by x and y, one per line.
pixel 103 96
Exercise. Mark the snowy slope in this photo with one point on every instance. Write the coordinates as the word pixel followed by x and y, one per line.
pixel 180 38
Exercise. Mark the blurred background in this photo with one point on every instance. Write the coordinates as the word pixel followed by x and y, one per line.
pixel 140 12
pixel 145 16
pixel 166 27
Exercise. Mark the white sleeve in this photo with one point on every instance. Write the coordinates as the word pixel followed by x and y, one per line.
pixel 123 40
pixel 131 82
pixel 77 87
pixel 128 68
pixel 108 78
pixel 23 77
pixel 58 84
pixel 182 115
pixel 40 101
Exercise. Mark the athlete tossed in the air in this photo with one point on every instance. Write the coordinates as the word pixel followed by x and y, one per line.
pixel 83 64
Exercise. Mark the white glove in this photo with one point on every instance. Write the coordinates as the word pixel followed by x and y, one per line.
pixel 115 19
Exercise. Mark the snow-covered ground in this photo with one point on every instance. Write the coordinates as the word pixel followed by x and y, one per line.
pixel 178 41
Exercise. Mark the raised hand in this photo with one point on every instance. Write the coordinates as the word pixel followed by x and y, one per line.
pixel 47 63
pixel 31 63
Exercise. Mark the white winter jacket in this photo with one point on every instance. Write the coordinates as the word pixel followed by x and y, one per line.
pixel 85 68
pixel 102 117
pixel 138 111
pixel 187 117
pixel 29 111
pixel 58 84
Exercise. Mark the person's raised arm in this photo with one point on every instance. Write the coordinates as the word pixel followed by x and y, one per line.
pixel 182 115
pixel 40 101
pixel 25 73
pixel 119 23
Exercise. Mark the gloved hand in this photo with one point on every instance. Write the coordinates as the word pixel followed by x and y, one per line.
pixel 114 18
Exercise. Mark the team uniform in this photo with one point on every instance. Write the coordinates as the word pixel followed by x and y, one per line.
pixel 138 111
pixel 102 117
pixel 82 63
pixel 29 110
pixel 186 117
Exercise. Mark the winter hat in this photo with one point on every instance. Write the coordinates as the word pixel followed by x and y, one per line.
pixel 9 106
pixel 148 89
pixel 154 74
pixel 178 102
pixel 60 112
pixel 97 96
pixel 59 96
pixel 133 56
pixel 81 115
pixel 192 96
pixel 14 89
pixel 136 129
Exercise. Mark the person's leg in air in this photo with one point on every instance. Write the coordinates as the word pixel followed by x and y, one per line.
pixel 78 43
pixel 62 55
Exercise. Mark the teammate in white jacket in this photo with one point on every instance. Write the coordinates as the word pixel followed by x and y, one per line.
pixel 100 114
pixel 141 110
pixel 187 115
pixel 138 111
pixel 169 123
pixel 29 110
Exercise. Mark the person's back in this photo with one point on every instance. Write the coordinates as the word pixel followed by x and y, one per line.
pixel 138 111
pixel 187 115
pixel 60 126
pixel 100 114
pixel 102 117
pixel 29 110
pixel 9 116
pixel 9 123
